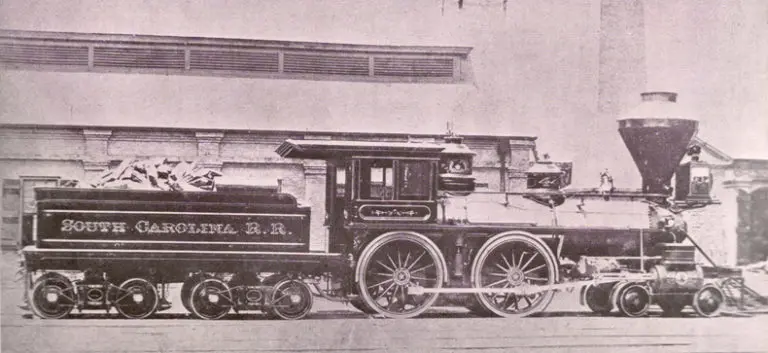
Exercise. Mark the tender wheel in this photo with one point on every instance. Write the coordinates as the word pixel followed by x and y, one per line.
pixel 392 263
pixel 671 306
pixel 186 289
pixel 634 300
pixel 136 298
pixel 291 299
pixel 210 299
pixel 52 296
pixel 708 301
pixel 510 260
pixel 598 298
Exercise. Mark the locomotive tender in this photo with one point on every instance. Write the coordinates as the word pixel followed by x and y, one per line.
pixel 392 249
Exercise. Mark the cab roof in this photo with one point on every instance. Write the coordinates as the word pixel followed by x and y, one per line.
pixel 334 149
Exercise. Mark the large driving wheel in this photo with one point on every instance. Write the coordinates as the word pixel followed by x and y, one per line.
pixel 52 296
pixel 392 263
pixel 708 301
pixel 210 299
pixel 291 299
pixel 511 260
pixel 136 298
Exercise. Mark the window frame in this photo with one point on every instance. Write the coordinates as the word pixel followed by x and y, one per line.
pixel 396 179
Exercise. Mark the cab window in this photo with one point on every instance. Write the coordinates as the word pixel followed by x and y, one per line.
pixel 415 180
pixel 376 179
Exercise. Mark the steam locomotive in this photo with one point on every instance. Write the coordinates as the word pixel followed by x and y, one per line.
pixel 394 250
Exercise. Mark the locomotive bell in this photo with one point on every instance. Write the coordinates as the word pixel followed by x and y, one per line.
pixel 456 167
pixel 657 133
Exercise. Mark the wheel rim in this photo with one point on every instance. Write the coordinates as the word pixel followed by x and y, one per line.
pixel 598 298
pixel 708 301
pixel 512 261
pixel 53 297
pixel 291 300
pixel 359 304
pixel 393 264
pixel 634 300
pixel 136 298
pixel 210 299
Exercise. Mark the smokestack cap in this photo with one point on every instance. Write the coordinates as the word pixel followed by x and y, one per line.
pixel 659 105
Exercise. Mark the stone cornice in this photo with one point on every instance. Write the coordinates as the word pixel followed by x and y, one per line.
pixel 210 137
pixel 97 134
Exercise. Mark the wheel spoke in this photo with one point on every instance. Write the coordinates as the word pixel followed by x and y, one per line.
pixel 423 268
pixel 385 266
pixel 416 261
pixel 536 278
pixel 509 267
pixel 527 300
pixel 407 256
pixel 495 283
pixel 498 274
pixel 535 268
pixel 399 260
pixel 521 259
pixel 123 297
pixel 421 278
pixel 529 261
pixel 382 274
pixel 502 267
pixel 380 283
pixel 391 261
pixel 385 291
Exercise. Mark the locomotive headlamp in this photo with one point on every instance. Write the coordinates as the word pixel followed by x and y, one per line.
pixel 455 167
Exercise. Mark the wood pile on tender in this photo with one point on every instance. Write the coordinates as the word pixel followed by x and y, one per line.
pixel 157 174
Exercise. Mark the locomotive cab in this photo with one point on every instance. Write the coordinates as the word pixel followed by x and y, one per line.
pixel 378 182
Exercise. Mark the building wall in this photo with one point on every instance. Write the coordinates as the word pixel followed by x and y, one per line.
pixel 85 153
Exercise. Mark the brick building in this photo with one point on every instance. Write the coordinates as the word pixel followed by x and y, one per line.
pixel 72 102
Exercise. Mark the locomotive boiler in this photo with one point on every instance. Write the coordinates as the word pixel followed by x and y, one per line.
pixel 395 246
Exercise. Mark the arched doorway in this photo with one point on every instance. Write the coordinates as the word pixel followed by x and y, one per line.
pixel 753 226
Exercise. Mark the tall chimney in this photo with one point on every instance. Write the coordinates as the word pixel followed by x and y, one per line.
pixel 657 133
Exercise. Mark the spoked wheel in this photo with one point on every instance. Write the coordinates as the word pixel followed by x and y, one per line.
pixel 634 300
pixel 392 263
pixel 671 305
pixel 291 299
pixel 512 260
pixel 52 296
pixel 708 301
pixel 210 299
pixel 598 298
pixel 136 298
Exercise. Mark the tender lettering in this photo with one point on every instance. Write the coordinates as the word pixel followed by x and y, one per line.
pixel 147 227
pixel 150 227
pixel 71 225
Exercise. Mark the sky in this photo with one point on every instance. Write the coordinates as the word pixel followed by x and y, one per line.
pixel 535 69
